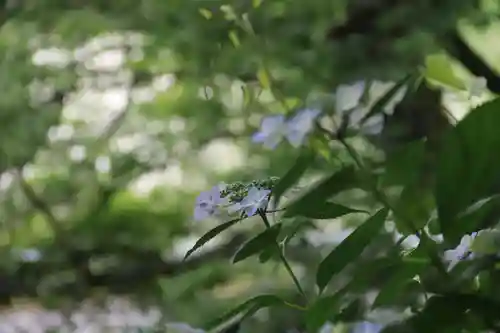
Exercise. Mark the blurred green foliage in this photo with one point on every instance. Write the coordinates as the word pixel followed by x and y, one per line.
pixel 105 193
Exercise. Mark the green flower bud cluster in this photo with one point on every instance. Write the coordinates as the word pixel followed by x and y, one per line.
pixel 239 190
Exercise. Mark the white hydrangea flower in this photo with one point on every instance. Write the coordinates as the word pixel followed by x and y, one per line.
pixel 461 252
pixel 255 199
pixel 208 203
pixel 272 130
pixel 300 126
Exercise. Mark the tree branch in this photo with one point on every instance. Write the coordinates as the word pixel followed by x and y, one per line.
pixel 127 277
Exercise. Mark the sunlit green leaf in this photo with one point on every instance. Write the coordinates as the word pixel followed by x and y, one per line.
pixel 439 68
pixel 264 79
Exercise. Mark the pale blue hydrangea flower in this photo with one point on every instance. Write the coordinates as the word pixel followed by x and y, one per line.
pixel 208 203
pixel 255 199
pixel 300 126
pixel 461 252
pixel 366 327
pixel 272 130
pixel 182 328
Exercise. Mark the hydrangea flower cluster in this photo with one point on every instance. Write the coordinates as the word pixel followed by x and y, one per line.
pixel 243 198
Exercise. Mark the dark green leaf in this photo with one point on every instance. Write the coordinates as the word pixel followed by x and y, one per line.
pixel 290 230
pixel 259 243
pixel 404 165
pixel 451 313
pixel 439 314
pixel 411 265
pixel 480 215
pixel 341 180
pixel 323 210
pixel 371 274
pixel 292 175
pixel 247 308
pixel 268 254
pixel 467 168
pixel 210 235
pixel 416 204
pixel 352 312
pixel 350 249
pixel 322 311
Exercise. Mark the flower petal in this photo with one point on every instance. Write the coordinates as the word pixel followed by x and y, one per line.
pixel 348 96
pixel 272 123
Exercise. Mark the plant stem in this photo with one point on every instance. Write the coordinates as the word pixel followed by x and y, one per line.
pixel 283 258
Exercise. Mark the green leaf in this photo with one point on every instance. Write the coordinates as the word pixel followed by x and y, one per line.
pixel 259 243
pixel 365 277
pixel 439 314
pixel 322 311
pixel 341 180
pixel 480 215
pixel 247 308
pixel 210 235
pixel 416 204
pixel 290 230
pixel 263 78
pixel 438 67
pixel 370 274
pixel 411 265
pixel 205 13
pixel 268 254
pixel 323 210
pixel 293 175
pixel 467 168
pixel 404 165
pixel 352 312
pixel 486 242
pixel 350 249
pixel 256 3
pixel 233 36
